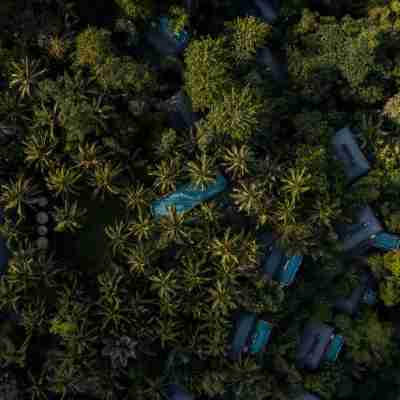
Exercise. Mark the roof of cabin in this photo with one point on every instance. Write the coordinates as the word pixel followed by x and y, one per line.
pixel 4 251
pixel 244 324
pixel 349 153
pixel 273 261
pixel 312 347
pixel 266 58
pixel 267 9
pixel 352 303
pixel 365 226
pixel 180 112
pixel 307 396
pixel 177 392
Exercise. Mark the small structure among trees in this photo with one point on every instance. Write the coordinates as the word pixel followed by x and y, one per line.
pixel 164 40
pixel 250 335
pixel 277 69
pixel 307 396
pixel 318 343
pixel 4 251
pixel 386 241
pixel 177 392
pixel 348 152
pixel 358 237
pixel 365 292
pixel 267 9
pixel 179 109
pixel 277 265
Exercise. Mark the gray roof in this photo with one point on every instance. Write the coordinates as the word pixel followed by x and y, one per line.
pixel 274 259
pixel 179 110
pixel 366 225
pixel 348 152
pixel 267 9
pixel 313 343
pixel 267 59
pixel 177 392
pixel 307 396
pixel 4 251
pixel 353 302
pixel 163 43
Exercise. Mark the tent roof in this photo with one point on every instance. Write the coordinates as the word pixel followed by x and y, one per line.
pixel 314 341
pixel 349 153
pixel 366 225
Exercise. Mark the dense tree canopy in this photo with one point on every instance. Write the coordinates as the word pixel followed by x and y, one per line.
pixel 101 299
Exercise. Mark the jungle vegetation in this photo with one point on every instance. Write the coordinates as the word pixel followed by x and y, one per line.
pixel 121 303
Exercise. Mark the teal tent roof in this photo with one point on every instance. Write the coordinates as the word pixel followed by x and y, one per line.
pixel 386 241
pixel 277 265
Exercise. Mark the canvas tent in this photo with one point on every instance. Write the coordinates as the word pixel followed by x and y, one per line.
pixel 349 153
pixel 164 41
pixel 357 237
pixel 249 335
pixel 177 392
pixel 179 109
pixel 363 293
pixel 277 265
pixel 278 69
pixel 267 9
pixel 318 343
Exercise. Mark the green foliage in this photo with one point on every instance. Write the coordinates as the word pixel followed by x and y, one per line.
pixel 248 34
pixel 82 123
pixel 116 74
pixel 369 340
pixel 208 71
pixel 93 46
pixel 237 114
pixel 135 9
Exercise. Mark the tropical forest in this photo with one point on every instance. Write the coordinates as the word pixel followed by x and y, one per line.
pixel 199 200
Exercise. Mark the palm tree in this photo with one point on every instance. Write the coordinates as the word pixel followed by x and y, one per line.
pixel 248 197
pixel 143 228
pixel 297 182
pixel 194 272
pixel 18 193
pixel 221 298
pixel 68 218
pixel 165 284
pixel 104 177
pixel 139 257
pixel 119 234
pixel 166 174
pixel 87 156
pixel 63 180
pixel 111 303
pixel 201 171
pixel 237 160
pixel 24 75
pixel 172 228
pixel 38 149
pixel 169 331
pixel 137 198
